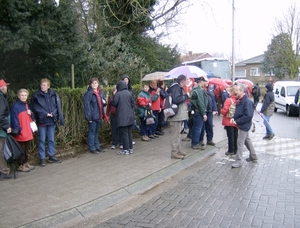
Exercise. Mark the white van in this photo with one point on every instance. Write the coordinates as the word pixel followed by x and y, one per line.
pixel 284 93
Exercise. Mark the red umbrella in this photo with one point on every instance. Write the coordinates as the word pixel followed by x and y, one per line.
pixel 228 81
pixel 246 82
pixel 218 82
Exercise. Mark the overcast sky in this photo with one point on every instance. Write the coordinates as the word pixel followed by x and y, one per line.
pixel 208 28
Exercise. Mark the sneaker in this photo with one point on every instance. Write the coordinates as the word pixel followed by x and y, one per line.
pixel 121 147
pixel 4 176
pixel 182 153
pixel 251 158
pixel 186 139
pixel 53 159
pixel 211 143
pixel 145 138
pixel 130 151
pixel 271 136
pixel 126 152
pixel 236 164
pixel 133 143
pixel 151 136
pixel 100 150
pixel 229 153
pixel 121 152
pixel 22 168
pixel 113 147
pixel 43 162
pixel 31 167
pixel 266 137
pixel 176 156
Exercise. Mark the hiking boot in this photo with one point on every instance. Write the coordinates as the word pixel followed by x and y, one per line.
pixel 251 158
pixel 5 176
pixel 22 168
pixel 182 153
pixel 43 163
pixel 53 159
pixel 266 137
pixel 151 136
pixel 236 164
pixel 211 143
pixel 271 136
pixel 31 167
pixel 186 139
pixel 145 138
pixel 176 156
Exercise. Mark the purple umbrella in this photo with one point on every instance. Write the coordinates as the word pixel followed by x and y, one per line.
pixel 187 70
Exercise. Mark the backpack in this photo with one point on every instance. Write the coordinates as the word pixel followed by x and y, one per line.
pixel 231 109
pixel 170 108
pixel 149 117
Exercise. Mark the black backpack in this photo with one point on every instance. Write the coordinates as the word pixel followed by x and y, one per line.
pixel 149 117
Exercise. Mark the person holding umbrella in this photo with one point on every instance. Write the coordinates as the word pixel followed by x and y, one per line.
pixel 267 110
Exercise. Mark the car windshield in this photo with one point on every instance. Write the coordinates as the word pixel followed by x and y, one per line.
pixel 292 90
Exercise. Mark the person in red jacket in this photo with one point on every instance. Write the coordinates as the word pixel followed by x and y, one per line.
pixel 21 116
pixel 231 128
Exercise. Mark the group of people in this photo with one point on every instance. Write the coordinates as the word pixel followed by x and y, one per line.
pixel 45 108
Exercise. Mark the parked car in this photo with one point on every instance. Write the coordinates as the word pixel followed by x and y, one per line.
pixel 284 92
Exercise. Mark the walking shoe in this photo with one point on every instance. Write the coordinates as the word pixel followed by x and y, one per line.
pixel 202 143
pixel 94 151
pixel 31 167
pixel 130 151
pixel 126 152
pixel 251 158
pixel 236 164
pixel 113 147
pixel 43 163
pixel 198 147
pixel 271 136
pixel 156 136
pixel 22 168
pixel 229 153
pixel 159 133
pixel 266 137
pixel 186 139
pixel 121 147
pixel 4 176
pixel 100 150
pixel 176 156
pixel 182 153
pixel 145 138
pixel 53 159
pixel 211 143
pixel 121 152
pixel 151 136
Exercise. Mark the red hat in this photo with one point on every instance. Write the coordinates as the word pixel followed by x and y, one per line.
pixel 3 83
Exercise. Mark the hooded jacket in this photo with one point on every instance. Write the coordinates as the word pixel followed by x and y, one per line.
pixel 269 101
pixel 4 115
pixel 244 113
pixel 125 105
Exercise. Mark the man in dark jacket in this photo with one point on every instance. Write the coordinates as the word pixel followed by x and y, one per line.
pixel 297 99
pixel 4 129
pixel 256 94
pixel 243 119
pixel 267 110
pixel 124 102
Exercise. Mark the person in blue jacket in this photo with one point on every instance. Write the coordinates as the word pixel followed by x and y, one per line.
pixel 46 106
pixel 243 119
pixel 94 103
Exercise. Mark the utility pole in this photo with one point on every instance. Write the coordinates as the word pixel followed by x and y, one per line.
pixel 233 55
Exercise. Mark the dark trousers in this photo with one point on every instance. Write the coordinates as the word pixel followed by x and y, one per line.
pixel 160 122
pixel 232 135
pixel 25 146
pixel 126 137
pixel 255 101
pixel 208 127
pixel 114 131
pixel 153 126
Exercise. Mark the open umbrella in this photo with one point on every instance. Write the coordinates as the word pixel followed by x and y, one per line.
pixel 246 82
pixel 228 81
pixel 187 70
pixel 218 82
pixel 158 75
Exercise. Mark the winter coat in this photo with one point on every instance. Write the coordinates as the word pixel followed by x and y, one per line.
pixel 211 102
pixel 199 100
pixel 269 101
pixel 155 99
pixel 125 105
pixel 244 113
pixel 179 98
pixel 20 121
pixel 4 115
pixel 143 100
pixel 43 103
pixel 225 109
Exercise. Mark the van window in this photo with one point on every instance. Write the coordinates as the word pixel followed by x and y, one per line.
pixel 282 92
pixel 292 90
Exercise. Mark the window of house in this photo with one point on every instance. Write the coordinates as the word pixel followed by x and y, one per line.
pixel 254 71
pixel 240 73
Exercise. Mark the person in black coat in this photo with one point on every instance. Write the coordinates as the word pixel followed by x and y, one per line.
pixel 94 103
pixel 297 99
pixel 124 102
pixel 46 106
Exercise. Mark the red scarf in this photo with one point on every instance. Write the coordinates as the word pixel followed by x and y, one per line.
pixel 99 101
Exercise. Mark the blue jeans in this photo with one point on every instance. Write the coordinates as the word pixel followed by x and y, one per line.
pixel 197 128
pixel 144 128
pixel 93 138
pixel 208 128
pixel 267 125
pixel 48 131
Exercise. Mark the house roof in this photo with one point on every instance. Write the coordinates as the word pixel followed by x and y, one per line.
pixel 190 56
pixel 253 60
